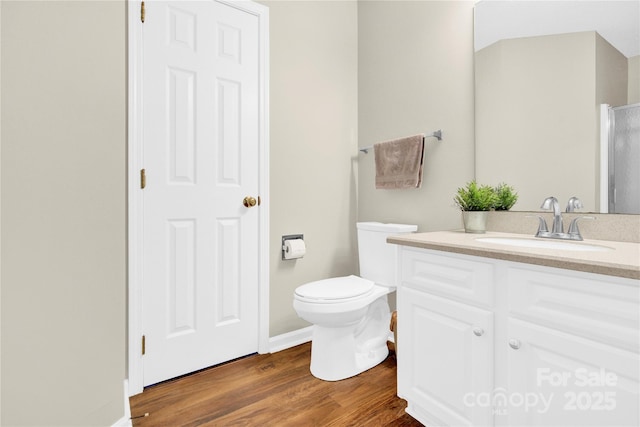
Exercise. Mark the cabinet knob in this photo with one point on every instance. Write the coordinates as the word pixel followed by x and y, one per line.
pixel 514 344
pixel 478 332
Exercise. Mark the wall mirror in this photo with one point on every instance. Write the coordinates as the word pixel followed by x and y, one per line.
pixel 542 71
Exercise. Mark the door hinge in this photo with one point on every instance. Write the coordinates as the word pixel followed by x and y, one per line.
pixel 143 178
pixel 142 12
pixel 144 345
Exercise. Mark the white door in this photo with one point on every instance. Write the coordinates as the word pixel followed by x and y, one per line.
pixel 201 159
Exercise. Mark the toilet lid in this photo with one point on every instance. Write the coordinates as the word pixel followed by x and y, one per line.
pixel 335 288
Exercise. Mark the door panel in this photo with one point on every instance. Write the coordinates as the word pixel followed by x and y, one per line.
pixel 445 353
pixel 556 378
pixel 200 149
pixel 624 157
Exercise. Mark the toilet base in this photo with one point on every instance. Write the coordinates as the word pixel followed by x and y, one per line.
pixel 338 353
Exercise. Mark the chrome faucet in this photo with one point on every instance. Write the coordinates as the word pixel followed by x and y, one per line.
pixel 557 230
pixel 552 203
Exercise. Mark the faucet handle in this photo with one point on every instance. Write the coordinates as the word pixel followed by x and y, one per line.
pixel 573 204
pixel 574 232
pixel 542 225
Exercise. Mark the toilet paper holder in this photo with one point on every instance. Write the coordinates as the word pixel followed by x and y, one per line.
pixel 289 237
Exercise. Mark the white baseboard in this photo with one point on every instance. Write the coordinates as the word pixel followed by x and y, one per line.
pixel 290 339
pixel 125 421
pixel 297 337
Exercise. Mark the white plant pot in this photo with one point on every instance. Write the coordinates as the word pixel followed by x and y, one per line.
pixel 475 221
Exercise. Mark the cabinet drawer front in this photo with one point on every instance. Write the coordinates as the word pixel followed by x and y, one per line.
pixel 601 308
pixel 461 277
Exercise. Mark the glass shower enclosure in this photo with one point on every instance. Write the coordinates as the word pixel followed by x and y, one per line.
pixel 620 132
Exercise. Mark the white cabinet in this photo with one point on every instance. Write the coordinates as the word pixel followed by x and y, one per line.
pixel 445 338
pixel 486 342
pixel 577 341
pixel 446 352
pixel 567 380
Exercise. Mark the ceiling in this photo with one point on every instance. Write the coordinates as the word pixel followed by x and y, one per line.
pixel 618 22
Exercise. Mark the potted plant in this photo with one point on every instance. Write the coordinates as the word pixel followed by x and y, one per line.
pixel 506 197
pixel 475 201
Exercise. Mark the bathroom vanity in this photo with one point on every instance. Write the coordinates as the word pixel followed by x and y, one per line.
pixel 493 332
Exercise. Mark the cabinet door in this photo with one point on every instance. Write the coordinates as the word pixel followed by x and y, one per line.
pixel 560 379
pixel 445 359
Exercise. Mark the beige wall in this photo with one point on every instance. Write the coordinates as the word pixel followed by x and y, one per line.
pixel 63 212
pixel 415 74
pixel 313 119
pixel 633 96
pixel 537 114
pixel 611 76
pixel 335 85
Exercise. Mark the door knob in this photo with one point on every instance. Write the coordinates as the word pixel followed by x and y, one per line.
pixel 514 344
pixel 249 202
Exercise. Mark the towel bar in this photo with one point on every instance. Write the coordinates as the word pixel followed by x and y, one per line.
pixel 436 134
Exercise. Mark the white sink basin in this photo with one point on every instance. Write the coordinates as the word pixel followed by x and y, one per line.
pixel 545 244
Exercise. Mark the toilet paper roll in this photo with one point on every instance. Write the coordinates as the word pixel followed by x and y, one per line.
pixel 294 248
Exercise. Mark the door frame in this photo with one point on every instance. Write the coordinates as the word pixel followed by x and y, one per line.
pixel 604 158
pixel 134 193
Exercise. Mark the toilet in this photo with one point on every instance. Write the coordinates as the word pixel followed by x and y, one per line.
pixel 350 314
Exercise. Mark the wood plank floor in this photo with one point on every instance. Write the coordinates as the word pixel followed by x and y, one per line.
pixel 274 390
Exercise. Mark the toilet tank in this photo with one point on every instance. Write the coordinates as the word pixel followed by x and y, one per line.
pixel 378 259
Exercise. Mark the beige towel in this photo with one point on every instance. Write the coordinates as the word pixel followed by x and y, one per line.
pixel 399 162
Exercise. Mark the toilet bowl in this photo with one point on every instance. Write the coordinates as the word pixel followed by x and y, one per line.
pixel 350 314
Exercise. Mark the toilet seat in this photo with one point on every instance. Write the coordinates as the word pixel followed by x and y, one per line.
pixel 336 289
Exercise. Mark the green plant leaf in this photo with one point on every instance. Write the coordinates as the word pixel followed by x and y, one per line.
pixel 475 197
pixel 506 197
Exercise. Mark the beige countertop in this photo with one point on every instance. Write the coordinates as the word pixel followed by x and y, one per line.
pixel 622 261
